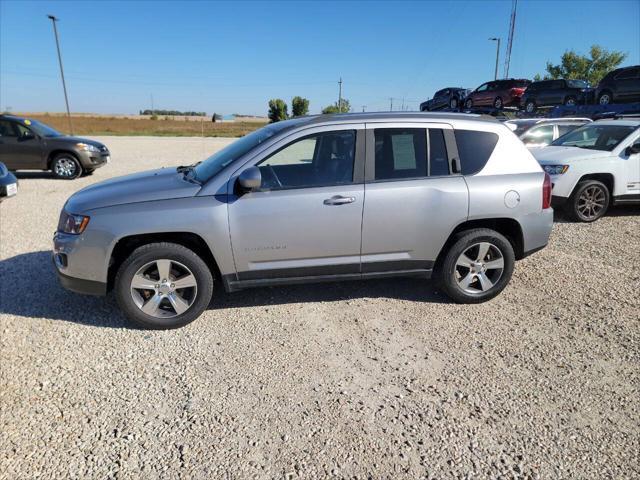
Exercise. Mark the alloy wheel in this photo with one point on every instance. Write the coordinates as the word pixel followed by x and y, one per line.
pixel 591 202
pixel 164 288
pixel 65 167
pixel 604 99
pixel 571 102
pixel 479 268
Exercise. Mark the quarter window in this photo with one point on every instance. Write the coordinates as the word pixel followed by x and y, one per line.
pixel 438 159
pixel 318 160
pixel 474 148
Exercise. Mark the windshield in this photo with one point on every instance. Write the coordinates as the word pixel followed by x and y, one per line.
pixel 42 129
pixel 577 84
pixel 213 165
pixel 595 137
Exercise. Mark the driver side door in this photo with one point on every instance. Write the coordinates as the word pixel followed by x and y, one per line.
pixel 19 147
pixel 306 218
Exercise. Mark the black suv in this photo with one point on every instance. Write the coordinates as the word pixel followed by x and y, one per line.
pixel 549 93
pixel 31 145
pixel 620 86
pixel 451 97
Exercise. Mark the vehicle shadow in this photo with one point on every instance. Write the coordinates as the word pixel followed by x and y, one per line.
pixel 29 288
pixel 35 175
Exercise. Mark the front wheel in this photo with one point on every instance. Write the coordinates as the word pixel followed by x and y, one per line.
pixel 477 267
pixel 66 166
pixel 530 106
pixel 589 201
pixel 570 101
pixel 468 103
pixel 497 103
pixel 163 285
pixel 605 98
pixel 453 103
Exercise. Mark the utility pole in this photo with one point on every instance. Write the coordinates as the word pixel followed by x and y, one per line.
pixel 340 95
pixel 152 109
pixel 363 108
pixel 512 27
pixel 391 104
pixel 64 85
pixel 496 39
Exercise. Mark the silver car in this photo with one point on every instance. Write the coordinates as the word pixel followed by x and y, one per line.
pixel 337 197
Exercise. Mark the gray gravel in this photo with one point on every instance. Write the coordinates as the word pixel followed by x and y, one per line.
pixel 378 379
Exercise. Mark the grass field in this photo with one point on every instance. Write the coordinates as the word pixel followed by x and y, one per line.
pixel 144 126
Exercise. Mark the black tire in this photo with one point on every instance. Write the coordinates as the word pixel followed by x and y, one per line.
pixel 157 251
pixel 577 207
pixel 453 103
pixel 605 98
pixel 498 104
pixel 66 166
pixel 530 106
pixel 571 101
pixel 468 103
pixel 88 172
pixel 448 272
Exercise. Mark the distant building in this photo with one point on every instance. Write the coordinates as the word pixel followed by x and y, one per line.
pixel 228 118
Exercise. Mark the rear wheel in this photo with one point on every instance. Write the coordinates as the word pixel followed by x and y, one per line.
pixel 530 106
pixel 453 103
pixel 605 98
pixel 589 201
pixel 497 103
pixel 163 285
pixel 477 267
pixel 66 166
pixel 570 101
pixel 468 103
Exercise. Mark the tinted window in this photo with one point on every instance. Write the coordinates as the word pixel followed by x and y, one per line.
pixel 317 160
pixel 6 129
pixel 482 87
pixel 438 158
pixel 542 135
pixel 515 83
pixel 577 84
pixel 474 149
pixel 627 74
pixel 400 153
pixel 595 137
pixel 557 85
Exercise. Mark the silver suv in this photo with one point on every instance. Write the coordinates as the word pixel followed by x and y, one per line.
pixel 340 197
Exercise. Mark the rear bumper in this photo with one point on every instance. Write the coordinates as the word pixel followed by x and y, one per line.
pixel 557 202
pixel 536 230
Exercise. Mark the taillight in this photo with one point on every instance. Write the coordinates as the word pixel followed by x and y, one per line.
pixel 546 192
pixel 516 92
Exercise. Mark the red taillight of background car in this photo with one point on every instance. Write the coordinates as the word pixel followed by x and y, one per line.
pixel 546 192
pixel 516 91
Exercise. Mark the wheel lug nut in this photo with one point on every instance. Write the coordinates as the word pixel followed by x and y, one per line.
pixel 173 285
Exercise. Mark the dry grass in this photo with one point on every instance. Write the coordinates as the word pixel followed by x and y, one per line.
pixel 104 125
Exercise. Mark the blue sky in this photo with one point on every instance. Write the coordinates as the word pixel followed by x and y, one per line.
pixel 234 57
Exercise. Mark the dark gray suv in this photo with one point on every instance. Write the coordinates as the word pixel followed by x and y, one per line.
pixel 31 145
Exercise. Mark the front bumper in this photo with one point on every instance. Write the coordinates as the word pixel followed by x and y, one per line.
pixel 93 160
pixel 73 261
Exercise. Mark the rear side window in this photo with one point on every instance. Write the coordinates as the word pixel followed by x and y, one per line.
pixel 474 148
pixel 438 158
pixel 628 74
pixel 400 153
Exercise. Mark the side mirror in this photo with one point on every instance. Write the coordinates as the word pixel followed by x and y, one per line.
pixel 250 179
pixel 27 136
pixel 632 149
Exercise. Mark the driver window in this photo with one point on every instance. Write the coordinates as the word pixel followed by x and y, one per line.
pixel 6 129
pixel 323 159
pixel 482 88
pixel 22 130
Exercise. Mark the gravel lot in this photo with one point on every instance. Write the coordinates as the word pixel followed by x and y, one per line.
pixel 378 379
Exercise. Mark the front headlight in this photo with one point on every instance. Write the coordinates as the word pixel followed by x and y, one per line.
pixel 555 169
pixel 87 147
pixel 73 224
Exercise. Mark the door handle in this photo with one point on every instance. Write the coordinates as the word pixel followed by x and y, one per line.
pixel 339 200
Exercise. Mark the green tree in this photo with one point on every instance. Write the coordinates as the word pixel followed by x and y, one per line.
pixel 582 67
pixel 299 106
pixel 344 107
pixel 277 110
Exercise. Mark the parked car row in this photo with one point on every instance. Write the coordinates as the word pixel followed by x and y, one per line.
pixel 618 86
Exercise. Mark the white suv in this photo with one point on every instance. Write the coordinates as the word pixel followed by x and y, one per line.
pixel 594 166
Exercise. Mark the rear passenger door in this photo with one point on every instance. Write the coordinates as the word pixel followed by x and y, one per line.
pixel 413 200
